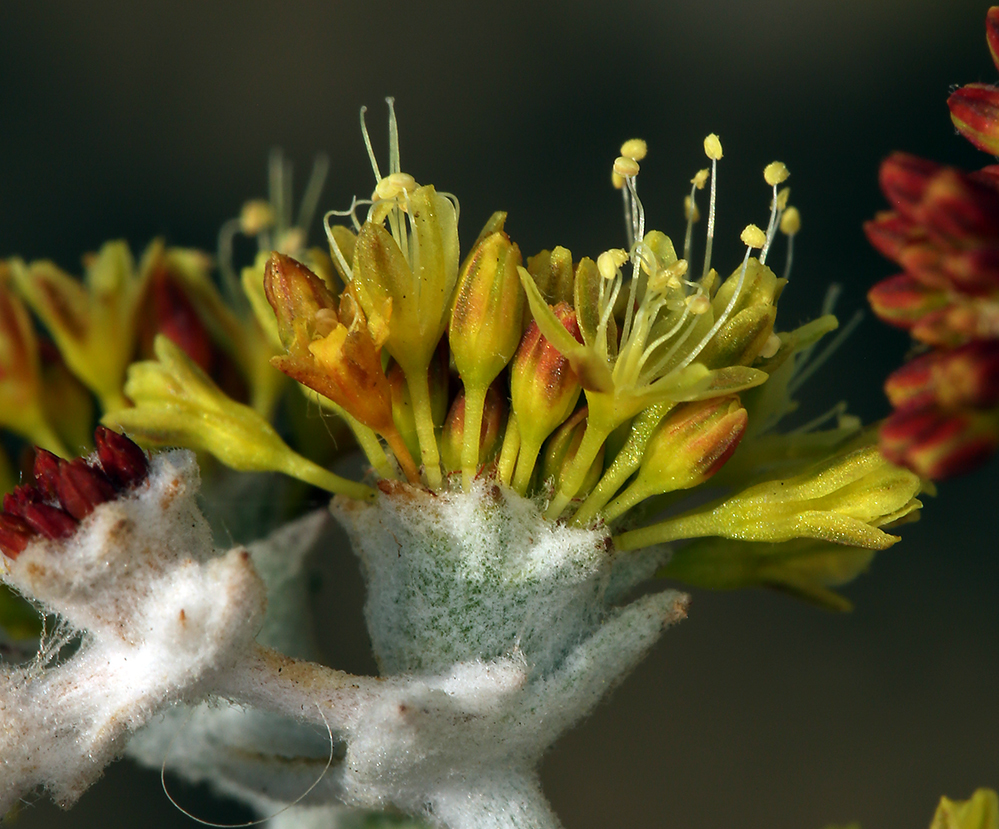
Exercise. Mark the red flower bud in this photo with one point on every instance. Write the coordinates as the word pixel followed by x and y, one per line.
pixel 937 444
pixel 46 472
pixel 15 533
pixel 904 179
pixel 123 461
pixel 903 300
pixel 81 488
pixel 50 521
pixel 974 109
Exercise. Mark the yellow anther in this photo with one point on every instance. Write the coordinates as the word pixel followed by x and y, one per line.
pixel 782 196
pixel 634 148
pixel 325 320
pixel 678 269
pixel 753 237
pixel 256 216
pixel 626 167
pixel 618 181
pixel 770 347
pixel 609 261
pixel 849 421
pixel 790 222
pixel 668 278
pixel 394 185
pixel 712 147
pixel 688 205
pixel 701 178
pixel 698 304
pixel 775 173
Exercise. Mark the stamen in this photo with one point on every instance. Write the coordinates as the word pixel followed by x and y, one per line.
pixel 635 148
pixel 790 224
pixel 753 237
pixel 713 150
pixel 313 190
pixel 800 377
pixel 394 163
pixel 367 145
pixel 334 247
pixel 774 173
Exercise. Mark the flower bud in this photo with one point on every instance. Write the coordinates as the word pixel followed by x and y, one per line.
pixel 490 432
pixel 553 274
pixel 488 310
pixel 843 499
pixel 981 811
pixel 804 567
pixel 688 447
pixel 937 444
pixel 543 387
pixel 974 109
pixel 902 300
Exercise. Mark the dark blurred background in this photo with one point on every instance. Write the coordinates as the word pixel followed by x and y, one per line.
pixel 134 120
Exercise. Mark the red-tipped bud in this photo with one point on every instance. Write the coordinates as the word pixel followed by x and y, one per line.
pixel 80 488
pixel 543 387
pixel 15 534
pixel 123 461
pixel 903 300
pixel 974 109
pixel 50 521
pixel 937 444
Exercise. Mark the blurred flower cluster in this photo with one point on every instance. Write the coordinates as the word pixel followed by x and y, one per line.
pixel 943 229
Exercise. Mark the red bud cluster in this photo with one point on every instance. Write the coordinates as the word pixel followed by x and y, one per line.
pixel 63 493
pixel 943 230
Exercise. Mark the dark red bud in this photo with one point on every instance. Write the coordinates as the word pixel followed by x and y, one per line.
pixel 123 461
pixel 904 179
pixel 80 488
pixel 15 533
pixel 176 318
pixel 902 300
pixel 992 33
pixel 46 472
pixel 959 210
pixel 14 503
pixel 889 233
pixel 50 521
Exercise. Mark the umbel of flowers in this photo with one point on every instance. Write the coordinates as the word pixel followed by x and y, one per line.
pixel 533 430
pixel 943 229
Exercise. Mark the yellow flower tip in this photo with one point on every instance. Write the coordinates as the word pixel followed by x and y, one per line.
pixel 626 167
pixel 700 179
pixel 782 196
pixel 690 211
pixel 713 147
pixel 775 173
pixel 790 222
pixel 610 261
pixel 770 347
pixel 698 304
pixel 393 186
pixel 634 148
pixel 753 237
pixel 256 217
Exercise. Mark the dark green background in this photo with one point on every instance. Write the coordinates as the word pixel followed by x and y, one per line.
pixel 135 120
